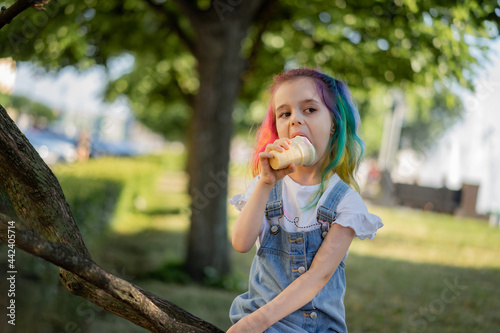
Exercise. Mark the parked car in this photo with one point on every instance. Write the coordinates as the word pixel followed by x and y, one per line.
pixel 53 148
pixel 103 148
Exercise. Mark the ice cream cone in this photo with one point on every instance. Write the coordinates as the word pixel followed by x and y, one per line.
pixel 301 152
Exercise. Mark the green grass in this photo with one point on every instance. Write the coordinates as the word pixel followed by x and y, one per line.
pixel 424 272
pixel 424 237
pixel 134 214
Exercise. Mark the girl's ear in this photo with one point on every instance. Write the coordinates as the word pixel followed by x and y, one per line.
pixel 332 130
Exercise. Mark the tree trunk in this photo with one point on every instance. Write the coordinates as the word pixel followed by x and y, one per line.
pixel 210 135
pixel 44 226
pixel 220 33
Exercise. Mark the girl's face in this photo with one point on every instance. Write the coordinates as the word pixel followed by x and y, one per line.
pixel 299 110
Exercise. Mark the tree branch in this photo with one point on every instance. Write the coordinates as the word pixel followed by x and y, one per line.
pixel 173 23
pixel 8 14
pixel 63 257
pixel 47 229
pixel 190 9
pixel 34 192
pixel 264 16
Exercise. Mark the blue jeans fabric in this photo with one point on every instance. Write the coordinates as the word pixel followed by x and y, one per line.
pixel 278 262
pixel 281 258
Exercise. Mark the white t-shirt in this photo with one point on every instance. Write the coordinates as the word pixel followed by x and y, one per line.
pixel 351 211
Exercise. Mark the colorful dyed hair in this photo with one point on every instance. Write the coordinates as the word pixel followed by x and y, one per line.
pixel 345 147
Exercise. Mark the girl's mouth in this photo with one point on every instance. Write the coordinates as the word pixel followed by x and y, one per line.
pixel 299 134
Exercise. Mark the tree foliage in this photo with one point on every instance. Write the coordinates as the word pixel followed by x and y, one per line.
pixel 423 48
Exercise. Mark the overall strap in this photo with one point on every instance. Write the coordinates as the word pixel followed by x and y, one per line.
pixel 274 206
pixel 328 211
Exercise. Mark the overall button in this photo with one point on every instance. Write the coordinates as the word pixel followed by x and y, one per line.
pixel 299 240
pixel 302 269
pixel 314 315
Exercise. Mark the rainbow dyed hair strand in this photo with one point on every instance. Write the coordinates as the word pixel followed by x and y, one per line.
pixel 267 133
pixel 346 147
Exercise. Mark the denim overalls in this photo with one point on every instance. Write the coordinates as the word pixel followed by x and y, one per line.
pixel 284 256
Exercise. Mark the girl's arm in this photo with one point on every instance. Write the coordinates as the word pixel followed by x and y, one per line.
pixel 303 289
pixel 248 223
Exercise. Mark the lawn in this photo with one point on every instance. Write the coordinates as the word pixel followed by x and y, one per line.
pixel 424 272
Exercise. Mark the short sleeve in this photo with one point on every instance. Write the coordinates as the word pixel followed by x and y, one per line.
pixel 239 200
pixel 353 213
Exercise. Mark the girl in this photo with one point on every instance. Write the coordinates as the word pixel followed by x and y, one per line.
pixel 303 218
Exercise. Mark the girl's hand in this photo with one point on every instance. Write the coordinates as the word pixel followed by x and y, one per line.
pixel 269 175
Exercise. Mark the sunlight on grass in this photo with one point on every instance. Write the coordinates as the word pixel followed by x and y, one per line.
pixel 153 196
pixel 391 278
pixel 144 192
pixel 425 237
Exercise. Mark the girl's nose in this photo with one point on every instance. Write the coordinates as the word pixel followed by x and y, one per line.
pixel 296 118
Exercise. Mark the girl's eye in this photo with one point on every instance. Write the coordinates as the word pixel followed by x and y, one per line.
pixel 309 110
pixel 284 114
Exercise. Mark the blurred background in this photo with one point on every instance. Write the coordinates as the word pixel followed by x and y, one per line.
pixel 116 98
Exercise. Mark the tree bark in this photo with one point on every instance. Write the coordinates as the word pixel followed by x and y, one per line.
pixel 46 228
pixel 121 290
pixel 220 33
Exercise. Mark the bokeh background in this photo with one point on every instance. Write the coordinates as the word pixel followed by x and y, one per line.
pixel 117 96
